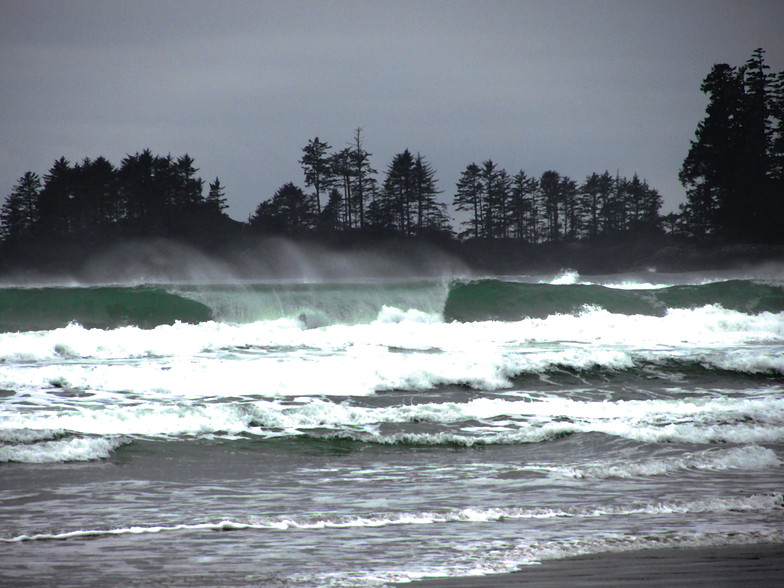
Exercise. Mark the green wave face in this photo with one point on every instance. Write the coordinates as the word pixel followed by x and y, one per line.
pixel 319 304
pixel 24 309
pixel 509 301
pixel 740 295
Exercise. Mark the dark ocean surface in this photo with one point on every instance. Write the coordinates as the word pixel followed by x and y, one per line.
pixel 369 432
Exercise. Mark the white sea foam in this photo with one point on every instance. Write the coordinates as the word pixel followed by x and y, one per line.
pixel 74 449
pixel 696 419
pixel 709 326
pixel 754 503
pixel 747 458
pixel 565 278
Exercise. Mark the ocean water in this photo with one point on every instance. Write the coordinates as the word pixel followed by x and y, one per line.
pixel 369 432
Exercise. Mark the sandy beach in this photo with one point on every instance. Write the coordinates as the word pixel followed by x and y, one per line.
pixel 760 566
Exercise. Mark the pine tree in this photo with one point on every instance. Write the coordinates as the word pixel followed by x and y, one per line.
pixel 289 211
pixel 571 212
pixel 730 170
pixel 340 164
pixel 495 195
pixel 363 176
pixel 55 203
pixel 469 199
pixel 550 184
pixel 216 199
pixel 315 163
pixel 18 214
pixel 430 214
pixel 187 188
pixel 522 206
pixel 397 207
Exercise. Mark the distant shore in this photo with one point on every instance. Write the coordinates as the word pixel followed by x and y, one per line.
pixel 757 566
pixel 374 256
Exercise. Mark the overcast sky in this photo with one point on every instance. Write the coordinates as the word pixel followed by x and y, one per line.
pixel 574 86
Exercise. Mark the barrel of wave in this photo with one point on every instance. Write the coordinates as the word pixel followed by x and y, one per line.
pixel 493 299
pixel 106 307
pixel 320 303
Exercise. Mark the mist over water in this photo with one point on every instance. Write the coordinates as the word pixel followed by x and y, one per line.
pixel 381 429
pixel 166 261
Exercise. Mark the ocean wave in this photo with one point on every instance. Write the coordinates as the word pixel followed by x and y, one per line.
pixel 63 450
pixel 691 419
pixel 492 299
pixel 754 503
pixel 678 330
pixel 33 309
pixel 748 457
pixel 324 304
pixel 512 557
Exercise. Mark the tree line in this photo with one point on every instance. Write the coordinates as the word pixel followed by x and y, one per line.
pixel 148 194
pixel 346 194
pixel 734 170
pixel 733 175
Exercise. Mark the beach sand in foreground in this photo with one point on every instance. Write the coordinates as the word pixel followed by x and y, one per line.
pixel 759 566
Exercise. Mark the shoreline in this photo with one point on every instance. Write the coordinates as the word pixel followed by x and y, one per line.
pixel 753 565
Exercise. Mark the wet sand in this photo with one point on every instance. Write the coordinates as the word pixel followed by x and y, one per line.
pixel 758 566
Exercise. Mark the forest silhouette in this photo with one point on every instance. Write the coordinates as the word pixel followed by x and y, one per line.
pixel 733 176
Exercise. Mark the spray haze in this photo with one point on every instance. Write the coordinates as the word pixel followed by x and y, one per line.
pixel 264 259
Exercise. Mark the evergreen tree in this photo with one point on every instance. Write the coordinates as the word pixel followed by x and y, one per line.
pixel 289 211
pixel 95 202
pixel 730 170
pixel 55 204
pixel 315 163
pixel 571 211
pixel 495 195
pixel 216 199
pixel 469 199
pixel 18 214
pixel 136 188
pixel 396 208
pixel 187 189
pixel 340 164
pixel 364 182
pixel 522 207
pixel 594 195
pixel 328 220
pixel 430 214
pixel 550 184
pixel 777 140
pixel 642 203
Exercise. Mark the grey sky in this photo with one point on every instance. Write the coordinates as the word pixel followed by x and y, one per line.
pixel 574 86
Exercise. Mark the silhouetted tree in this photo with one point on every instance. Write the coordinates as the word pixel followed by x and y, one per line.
pixel 594 193
pixel 469 199
pixel 431 214
pixel 216 198
pixel 523 214
pixel 186 189
pixel 550 184
pixel 495 194
pixel 363 180
pixel 395 207
pixel 289 211
pixel 55 203
pixel 315 163
pixel 95 201
pixel 328 220
pixel 671 223
pixel 730 170
pixel 340 163
pixel 18 215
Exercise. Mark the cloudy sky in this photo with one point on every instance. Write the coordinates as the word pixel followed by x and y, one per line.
pixel 574 86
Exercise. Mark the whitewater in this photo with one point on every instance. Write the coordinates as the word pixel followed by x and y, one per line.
pixel 370 432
